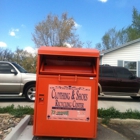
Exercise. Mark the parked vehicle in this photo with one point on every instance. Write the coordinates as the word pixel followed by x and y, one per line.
pixel 16 81
pixel 118 81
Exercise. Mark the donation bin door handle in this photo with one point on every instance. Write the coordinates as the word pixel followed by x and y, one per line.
pixel 41 98
pixel 67 80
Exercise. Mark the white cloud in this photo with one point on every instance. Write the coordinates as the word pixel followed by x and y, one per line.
pixel 31 50
pixel 16 30
pixel 103 1
pixel 68 45
pixel 13 32
pixel 77 25
pixel 3 44
pixel 23 26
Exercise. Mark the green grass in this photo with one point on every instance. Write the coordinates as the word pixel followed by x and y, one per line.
pixel 106 114
pixel 112 113
pixel 18 111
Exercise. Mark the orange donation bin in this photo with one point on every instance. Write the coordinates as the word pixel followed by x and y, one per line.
pixel 66 92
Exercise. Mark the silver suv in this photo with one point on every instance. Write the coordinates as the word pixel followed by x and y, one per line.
pixel 16 81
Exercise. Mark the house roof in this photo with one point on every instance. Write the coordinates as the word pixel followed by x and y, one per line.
pixel 124 45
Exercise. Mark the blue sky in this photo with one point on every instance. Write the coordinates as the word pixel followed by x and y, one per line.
pixel 93 17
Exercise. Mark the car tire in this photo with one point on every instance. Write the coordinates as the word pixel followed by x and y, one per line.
pixel 135 98
pixel 30 92
pixel 98 91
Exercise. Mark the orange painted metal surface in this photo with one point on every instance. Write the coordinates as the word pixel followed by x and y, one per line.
pixel 66 92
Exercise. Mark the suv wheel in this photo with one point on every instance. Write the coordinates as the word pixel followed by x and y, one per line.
pixel 135 98
pixel 30 92
pixel 98 90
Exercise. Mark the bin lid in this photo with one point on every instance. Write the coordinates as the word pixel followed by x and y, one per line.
pixel 68 51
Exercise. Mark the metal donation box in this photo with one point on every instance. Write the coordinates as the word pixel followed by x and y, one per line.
pixel 66 92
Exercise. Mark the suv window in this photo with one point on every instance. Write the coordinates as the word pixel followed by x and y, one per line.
pixel 123 73
pixel 5 68
pixel 22 70
pixel 106 72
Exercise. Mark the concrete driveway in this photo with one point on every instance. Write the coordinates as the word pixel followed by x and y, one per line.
pixel 103 132
pixel 120 103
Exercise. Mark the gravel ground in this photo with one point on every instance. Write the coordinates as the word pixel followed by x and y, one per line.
pixel 7 122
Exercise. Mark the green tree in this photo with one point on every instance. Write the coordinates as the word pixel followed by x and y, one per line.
pixel 113 38
pixel 25 59
pixel 133 31
pixel 21 57
pixel 136 20
pixel 6 55
pixel 110 40
pixel 55 31
pixel 122 36
pixel 99 46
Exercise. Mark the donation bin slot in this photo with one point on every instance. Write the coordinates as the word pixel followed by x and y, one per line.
pixel 51 64
pixel 66 93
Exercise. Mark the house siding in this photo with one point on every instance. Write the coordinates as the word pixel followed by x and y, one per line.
pixel 127 53
pixel 138 69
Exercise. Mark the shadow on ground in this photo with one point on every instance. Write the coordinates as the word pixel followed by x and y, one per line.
pixel 118 99
pixel 131 131
pixel 13 99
